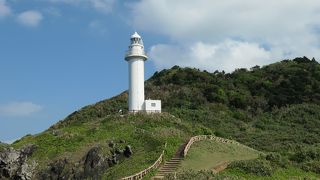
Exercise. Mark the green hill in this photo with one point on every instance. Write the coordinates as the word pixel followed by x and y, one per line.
pixel 274 109
pixel 208 154
pixel 71 144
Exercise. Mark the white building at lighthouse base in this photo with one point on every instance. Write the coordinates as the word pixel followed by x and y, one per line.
pixel 152 106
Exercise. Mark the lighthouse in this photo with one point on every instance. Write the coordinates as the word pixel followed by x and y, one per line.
pixel 135 56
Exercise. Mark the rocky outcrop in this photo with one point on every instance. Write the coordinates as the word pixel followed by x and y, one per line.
pixel 95 162
pixel 58 169
pixel 13 163
pixel 127 151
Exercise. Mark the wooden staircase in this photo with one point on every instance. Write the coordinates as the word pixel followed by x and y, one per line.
pixel 172 165
pixel 168 168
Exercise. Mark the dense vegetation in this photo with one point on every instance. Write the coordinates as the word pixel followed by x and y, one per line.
pixel 275 108
pixel 255 90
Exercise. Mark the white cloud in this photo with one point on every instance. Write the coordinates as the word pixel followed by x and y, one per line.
pixel 100 5
pixel 4 9
pixel 19 109
pixel 30 18
pixel 98 26
pixel 10 141
pixel 227 55
pixel 53 11
pixel 284 28
pixel 242 18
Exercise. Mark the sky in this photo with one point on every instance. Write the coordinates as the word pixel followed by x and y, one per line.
pixel 57 56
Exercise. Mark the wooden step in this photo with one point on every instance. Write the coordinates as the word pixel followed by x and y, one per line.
pixel 173 162
pixel 170 163
pixel 168 168
pixel 172 167
pixel 166 171
pixel 157 177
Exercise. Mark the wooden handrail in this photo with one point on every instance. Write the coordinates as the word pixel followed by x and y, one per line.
pixel 142 173
pixel 156 164
pixel 205 137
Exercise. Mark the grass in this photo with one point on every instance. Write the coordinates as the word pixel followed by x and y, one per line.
pixel 146 134
pixel 280 174
pixel 2 146
pixel 204 155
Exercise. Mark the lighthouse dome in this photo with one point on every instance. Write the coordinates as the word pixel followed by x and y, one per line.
pixel 136 39
pixel 135 35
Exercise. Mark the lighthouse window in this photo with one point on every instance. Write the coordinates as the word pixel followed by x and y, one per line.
pixel 153 104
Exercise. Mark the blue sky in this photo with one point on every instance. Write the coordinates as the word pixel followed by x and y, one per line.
pixel 57 56
pixel 66 61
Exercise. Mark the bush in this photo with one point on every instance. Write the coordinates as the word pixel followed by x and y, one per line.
pixel 202 130
pixel 304 155
pixel 257 167
pixel 277 159
pixel 190 175
pixel 313 166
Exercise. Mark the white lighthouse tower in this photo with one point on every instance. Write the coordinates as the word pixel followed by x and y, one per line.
pixel 136 57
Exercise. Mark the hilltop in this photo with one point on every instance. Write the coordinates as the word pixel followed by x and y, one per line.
pixel 274 109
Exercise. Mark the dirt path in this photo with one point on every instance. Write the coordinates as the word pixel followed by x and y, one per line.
pixel 220 167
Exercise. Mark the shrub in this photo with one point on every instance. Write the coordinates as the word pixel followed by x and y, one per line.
pixel 277 159
pixel 313 166
pixel 304 155
pixel 202 130
pixel 190 175
pixel 257 167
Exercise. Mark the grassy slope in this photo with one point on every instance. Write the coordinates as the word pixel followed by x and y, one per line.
pixel 205 155
pixel 2 146
pixel 145 133
pixel 281 174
